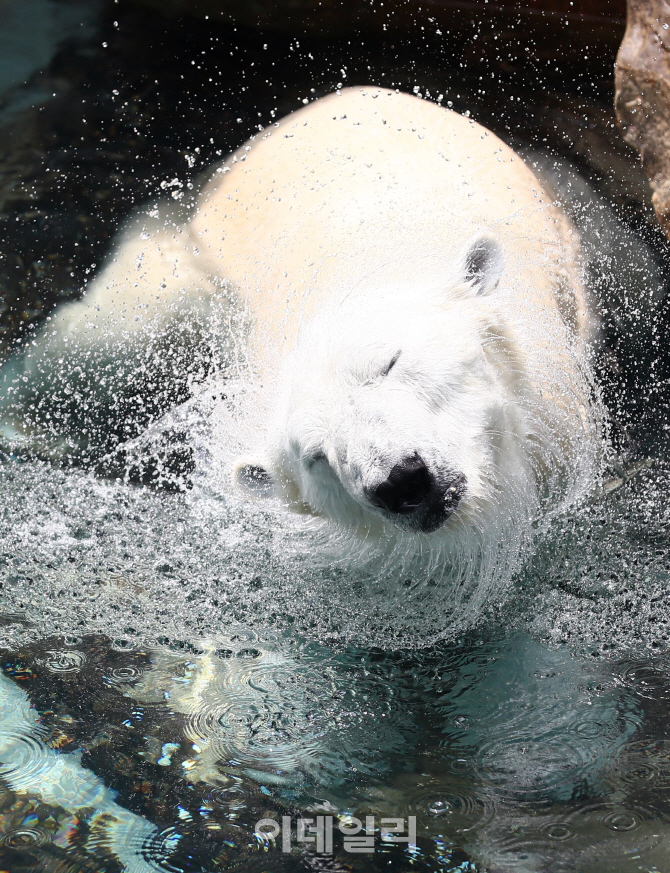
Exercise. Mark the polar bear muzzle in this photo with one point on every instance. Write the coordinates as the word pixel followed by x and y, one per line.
pixel 412 496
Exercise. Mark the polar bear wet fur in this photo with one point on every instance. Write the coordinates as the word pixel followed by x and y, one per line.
pixel 416 320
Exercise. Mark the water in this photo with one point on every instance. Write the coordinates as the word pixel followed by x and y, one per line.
pixel 195 686
pixel 178 664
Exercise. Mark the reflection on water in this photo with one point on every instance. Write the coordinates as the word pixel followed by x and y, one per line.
pixel 177 711
pixel 501 748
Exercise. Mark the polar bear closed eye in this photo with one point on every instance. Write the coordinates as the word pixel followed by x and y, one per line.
pixel 415 320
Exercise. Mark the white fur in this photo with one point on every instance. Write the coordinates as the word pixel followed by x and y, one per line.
pixel 366 228
pixel 466 395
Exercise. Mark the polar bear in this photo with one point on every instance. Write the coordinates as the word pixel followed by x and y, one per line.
pixel 410 303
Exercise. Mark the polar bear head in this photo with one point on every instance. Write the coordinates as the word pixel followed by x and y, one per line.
pixel 400 407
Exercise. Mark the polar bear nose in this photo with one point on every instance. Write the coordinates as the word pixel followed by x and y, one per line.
pixel 413 494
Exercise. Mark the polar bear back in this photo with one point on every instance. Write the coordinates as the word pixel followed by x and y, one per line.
pixel 372 186
pixel 364 191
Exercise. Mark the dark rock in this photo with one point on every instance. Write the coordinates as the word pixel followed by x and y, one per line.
pixel 643 95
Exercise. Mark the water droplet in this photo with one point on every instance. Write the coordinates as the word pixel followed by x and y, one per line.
pixel 70 661
pixel 437 807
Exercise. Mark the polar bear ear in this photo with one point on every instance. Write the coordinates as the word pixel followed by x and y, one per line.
pixel 481 263
pixel 252 478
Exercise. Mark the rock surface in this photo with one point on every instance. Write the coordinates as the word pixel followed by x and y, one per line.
pixel 643 95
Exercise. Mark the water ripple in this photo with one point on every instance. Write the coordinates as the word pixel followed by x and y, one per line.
pixel 533 767
pixel 456 804
pixel 646 680
pixel 175 849
pixel 24 758
pixel 644 764
pixel 260 713
pixel 556 831
pixel 253 707
pixel 66 661
pixel 123 645
pixel 232 797
pixel 123 675
pixel 160 849
pixel 597 836
pixel 523 838
pixel 611 831
pixel 25 837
